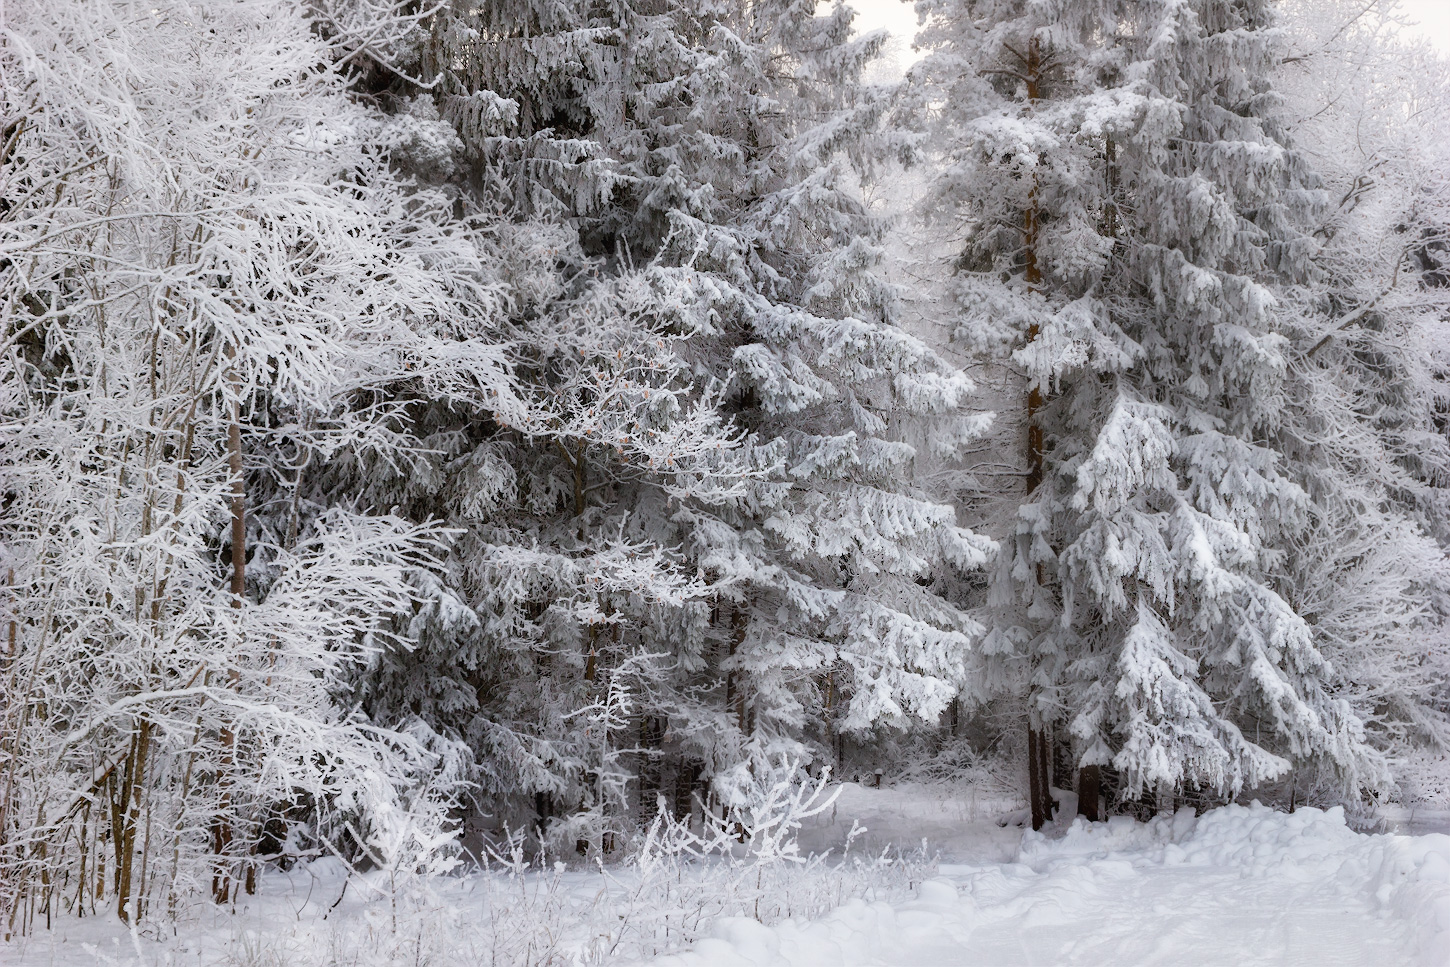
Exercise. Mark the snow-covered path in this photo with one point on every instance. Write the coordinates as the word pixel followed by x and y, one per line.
pixel 1242 886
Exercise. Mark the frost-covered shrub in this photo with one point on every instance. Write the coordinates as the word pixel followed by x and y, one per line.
pixel 211 280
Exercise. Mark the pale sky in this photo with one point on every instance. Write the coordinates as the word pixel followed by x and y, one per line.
pixel 900 18
pixel 1433 15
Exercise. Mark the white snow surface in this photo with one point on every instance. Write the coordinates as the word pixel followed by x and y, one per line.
pixel 1241 885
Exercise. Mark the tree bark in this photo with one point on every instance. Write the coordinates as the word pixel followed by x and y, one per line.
pixel 1089 790
pixel 127 813
pixel 735 698
pixel 1036 782
pixel 687 779
pixel 222 833
pixel 1038 793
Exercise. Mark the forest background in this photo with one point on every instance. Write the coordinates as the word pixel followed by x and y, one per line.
pixel 428 420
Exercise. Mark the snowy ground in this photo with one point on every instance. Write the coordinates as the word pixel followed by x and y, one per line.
pixel 1241 886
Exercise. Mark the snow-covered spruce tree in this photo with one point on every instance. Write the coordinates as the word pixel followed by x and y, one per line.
pixel 715 373
pixel 822 568
pixel 531 641
pixel 1130 208
pixel 209 278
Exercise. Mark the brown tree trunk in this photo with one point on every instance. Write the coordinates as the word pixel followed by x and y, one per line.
pixel 1036 781
pixel 222 833
pixel 651 767
pixel 1038 793
pixel 1089 790
pixel 128 813
pixel 591 662
pixel 687 779
pixel 735 698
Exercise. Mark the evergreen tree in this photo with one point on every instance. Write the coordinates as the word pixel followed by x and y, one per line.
pixel 1131 210
pixel 717 389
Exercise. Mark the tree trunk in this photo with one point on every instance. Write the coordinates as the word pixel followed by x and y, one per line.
pixel 651 766
pixel 687 778
pixel 1089 790
pixel 1036 781
pixel 222 833
pixel 1038 793
pixel 581 485
pixel 735 699
pixel 127 814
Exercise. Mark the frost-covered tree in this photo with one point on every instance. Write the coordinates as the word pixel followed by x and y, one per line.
pixel 557 577
pixel 1368 431
pixel 822 567
pixel 718 388
pixel 210 279
pixel 1132 211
